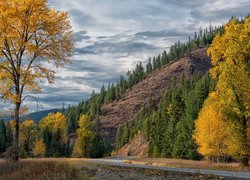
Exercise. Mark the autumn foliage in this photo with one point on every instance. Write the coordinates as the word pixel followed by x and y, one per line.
pixel 230 112
pixel 27 135
pixel 211 131
pixel 39 149
pixel 85 137
pixel 31 36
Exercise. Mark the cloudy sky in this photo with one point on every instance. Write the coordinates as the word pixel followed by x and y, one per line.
pixel 111 36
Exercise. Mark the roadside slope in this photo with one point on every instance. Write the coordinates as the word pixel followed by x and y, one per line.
pixel 138 146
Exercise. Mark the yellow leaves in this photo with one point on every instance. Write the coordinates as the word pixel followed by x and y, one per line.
pixel 84 121
pixel 55 122
pixel 85 136
pixel 236 144
pixel 78 151
pixel 28 123
pixel 85 126
pixel 213 95
pixel 170 109
pixel 12 124
pixel 59 121
pixel 39 149
pixel 27 131
pixel 233 45
pixel 230 55
pixel 211 132
pixel 31 34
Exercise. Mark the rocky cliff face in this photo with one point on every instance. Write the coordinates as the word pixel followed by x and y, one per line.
pixel 119 112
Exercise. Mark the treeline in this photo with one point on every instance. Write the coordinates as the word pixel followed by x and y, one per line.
pixel 49 138
pixel 169 126
pixel 6 136
pixel 56 140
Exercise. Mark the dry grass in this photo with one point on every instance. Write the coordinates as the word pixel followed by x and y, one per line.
pixel 32 169
pixel 70 168
pixel 189 164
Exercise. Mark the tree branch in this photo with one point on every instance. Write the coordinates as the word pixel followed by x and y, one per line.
pixel 6 69
pixel 3 96
pixel 29 96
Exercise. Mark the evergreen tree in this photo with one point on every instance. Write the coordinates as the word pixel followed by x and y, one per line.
pixel 154 64
pixel 149 67
pixel 158 62
pixel 130 79
pixel 122 84
pixel 72 120
pixel 2 136
pixel 9 135
pixel 100 147
pixel 53 130
pixel 125 135
pixel 164 58
pixel 47 137
pixel 119 142
pixel 102 95
pixel 155 152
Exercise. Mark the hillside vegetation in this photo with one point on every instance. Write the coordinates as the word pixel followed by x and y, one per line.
pixel 182 104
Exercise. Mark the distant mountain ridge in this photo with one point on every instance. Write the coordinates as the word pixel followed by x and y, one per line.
pixel 35 116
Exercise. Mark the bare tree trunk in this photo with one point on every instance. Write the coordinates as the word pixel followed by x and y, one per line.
pixel 15 155
pixel 245 160
pixel 245 157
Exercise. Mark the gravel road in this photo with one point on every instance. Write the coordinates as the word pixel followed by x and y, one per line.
pixel 119 162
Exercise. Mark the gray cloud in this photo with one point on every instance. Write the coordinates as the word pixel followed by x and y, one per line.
pixel 83 51
pixel 80 36
pixel 222 14
pixel 101 37
pixel 163 33
pixel 111 47
pixel 112 36
pixel 186 4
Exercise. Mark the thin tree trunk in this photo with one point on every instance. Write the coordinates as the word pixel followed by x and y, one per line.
pixel 245 158
pixel 15 155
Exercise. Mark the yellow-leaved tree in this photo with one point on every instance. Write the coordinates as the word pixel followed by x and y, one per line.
pixel 230 54
pixel 55 123
pixel 27 135
pixel 84 137
pixel 211 131
pixel 39 149
pixel 31 36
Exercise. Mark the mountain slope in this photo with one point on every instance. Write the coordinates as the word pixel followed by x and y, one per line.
pixel 119 112
pixel 35 116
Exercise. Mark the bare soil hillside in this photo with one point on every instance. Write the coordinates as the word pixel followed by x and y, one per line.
pixel 137 146
pixel 119 112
